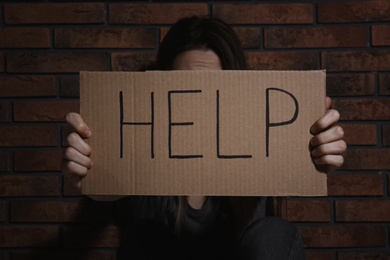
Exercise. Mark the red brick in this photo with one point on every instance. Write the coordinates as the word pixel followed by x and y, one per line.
pixel 153 13
pixel 28 86
pixel 69 190
pixel 350 85
pixel 28 236
pixel 129 38
pixel 56 62
pixel 250 38
pixel 355 185
pixel 308 211
pixel 359 134
pixel 78 13
pixel 44 111
pixel 366 159
pixel 380 35
pixel 136 61
pixel 4 111
pixel 384 84
pixel 37 160
pixel 5 158
pixel 60 211
pixel 363 109
pixel 64 255
pixel 386 135
pixel 343 236
pixel 264 13
pixel 28 135
pixel 316 255
pixel 315 37
pixel 24 38
pixel 363 255
pixel 353 12
pixel 282 60
pixel 29 186
pixel 70 87
pixel 367 60
pixel 93 236
pixel 3 211
pixel 65 131
pixel 362 211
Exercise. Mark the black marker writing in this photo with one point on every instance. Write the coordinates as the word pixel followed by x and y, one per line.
pixel 218 141
pixel 178 124
pixel 269 124
pixel 151 123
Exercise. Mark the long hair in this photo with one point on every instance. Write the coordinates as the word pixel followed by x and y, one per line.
pixel 206 34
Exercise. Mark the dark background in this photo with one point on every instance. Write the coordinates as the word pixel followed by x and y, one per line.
pixel 44 44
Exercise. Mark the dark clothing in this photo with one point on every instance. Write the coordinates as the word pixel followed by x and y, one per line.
pixel 208 233
pixel 197 222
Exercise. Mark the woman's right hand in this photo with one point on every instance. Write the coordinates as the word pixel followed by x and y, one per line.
pixel 76 161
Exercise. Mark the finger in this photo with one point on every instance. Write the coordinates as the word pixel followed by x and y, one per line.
pixel 330 160
pixel 73 178
pixel 327 120
pixel 331 135
pixel 328 102
pixel 79 144
pixel 78 124
pixel 72 155
pixel 335 148
pixel 75 170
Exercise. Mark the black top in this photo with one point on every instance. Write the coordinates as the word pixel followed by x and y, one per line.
pixel 196 222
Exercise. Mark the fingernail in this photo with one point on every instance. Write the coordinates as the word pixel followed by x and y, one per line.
pixel 87 133
pixel 314 129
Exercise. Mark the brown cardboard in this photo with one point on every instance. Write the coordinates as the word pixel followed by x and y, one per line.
pixel 196 115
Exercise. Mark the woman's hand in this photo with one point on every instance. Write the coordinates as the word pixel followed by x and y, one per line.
pixel 327 143
pixel 76 161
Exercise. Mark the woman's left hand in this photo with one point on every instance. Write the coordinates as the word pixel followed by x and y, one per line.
pixel 327 143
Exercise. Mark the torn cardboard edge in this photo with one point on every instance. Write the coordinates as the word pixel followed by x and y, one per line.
pixel 212 133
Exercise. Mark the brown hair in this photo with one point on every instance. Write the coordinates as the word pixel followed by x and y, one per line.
pixel 196 33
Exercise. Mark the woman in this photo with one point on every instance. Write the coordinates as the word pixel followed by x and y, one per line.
pixel 198 227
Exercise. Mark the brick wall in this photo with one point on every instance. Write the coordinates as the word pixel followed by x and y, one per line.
pixel 44 44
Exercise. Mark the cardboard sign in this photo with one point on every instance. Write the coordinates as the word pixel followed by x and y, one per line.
pixel 235 133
